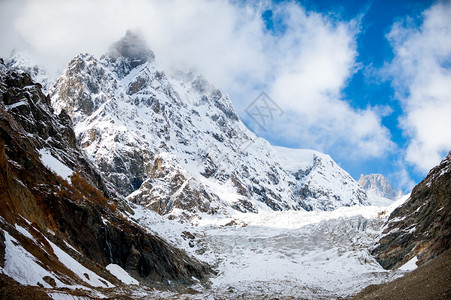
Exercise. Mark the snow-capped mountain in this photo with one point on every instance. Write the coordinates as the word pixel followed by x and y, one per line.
pixel 174 143
pixel 378 184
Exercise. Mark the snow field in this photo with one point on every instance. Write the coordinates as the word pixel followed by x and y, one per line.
pixel 23 267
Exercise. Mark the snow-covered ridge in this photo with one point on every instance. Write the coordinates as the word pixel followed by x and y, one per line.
pixel 294 160
pixel 319 180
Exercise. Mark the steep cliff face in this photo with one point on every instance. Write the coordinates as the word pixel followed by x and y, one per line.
pixel 57 216
pixel 421 227
pixel 174 142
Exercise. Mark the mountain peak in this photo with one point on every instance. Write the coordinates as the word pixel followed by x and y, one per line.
pixel 379 185
pixel 132 47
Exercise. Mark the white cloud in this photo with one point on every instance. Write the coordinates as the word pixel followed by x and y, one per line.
pixel 421 72
pixel 304 67
pixel 220 39
pixel 315 59
pixel 401 177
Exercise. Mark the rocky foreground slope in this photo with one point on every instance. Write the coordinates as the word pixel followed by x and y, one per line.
pixel 429 282
pixel 60 224
pixel 174 143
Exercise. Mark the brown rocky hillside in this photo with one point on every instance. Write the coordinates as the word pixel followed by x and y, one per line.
pixel 430 281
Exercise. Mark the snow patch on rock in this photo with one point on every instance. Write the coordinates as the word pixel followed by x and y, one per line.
pixel 23 267
pixel 121 274
pixel 410 265
pixel 55 165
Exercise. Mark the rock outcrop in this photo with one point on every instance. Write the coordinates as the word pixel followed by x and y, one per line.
pixel 421 227
pixel 428 282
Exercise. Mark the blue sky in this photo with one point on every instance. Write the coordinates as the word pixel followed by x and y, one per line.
pixel 364 81
pixel 374 50
pixel 376 19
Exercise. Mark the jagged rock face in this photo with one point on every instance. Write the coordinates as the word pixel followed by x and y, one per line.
pixel 422 225
pixel 23 100
pixel 168 142
pixel 78 210
pixel 172 142
pixel 379 185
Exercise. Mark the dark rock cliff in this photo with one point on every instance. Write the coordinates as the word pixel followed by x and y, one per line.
pixel 422 225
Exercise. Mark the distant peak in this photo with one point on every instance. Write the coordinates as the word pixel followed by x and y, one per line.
pixel 379 184
pixel 134 47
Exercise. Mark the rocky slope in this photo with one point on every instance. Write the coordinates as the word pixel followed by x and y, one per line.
pixel 421 227
pixel 378 185
pixel 175 144
pixel 60 224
